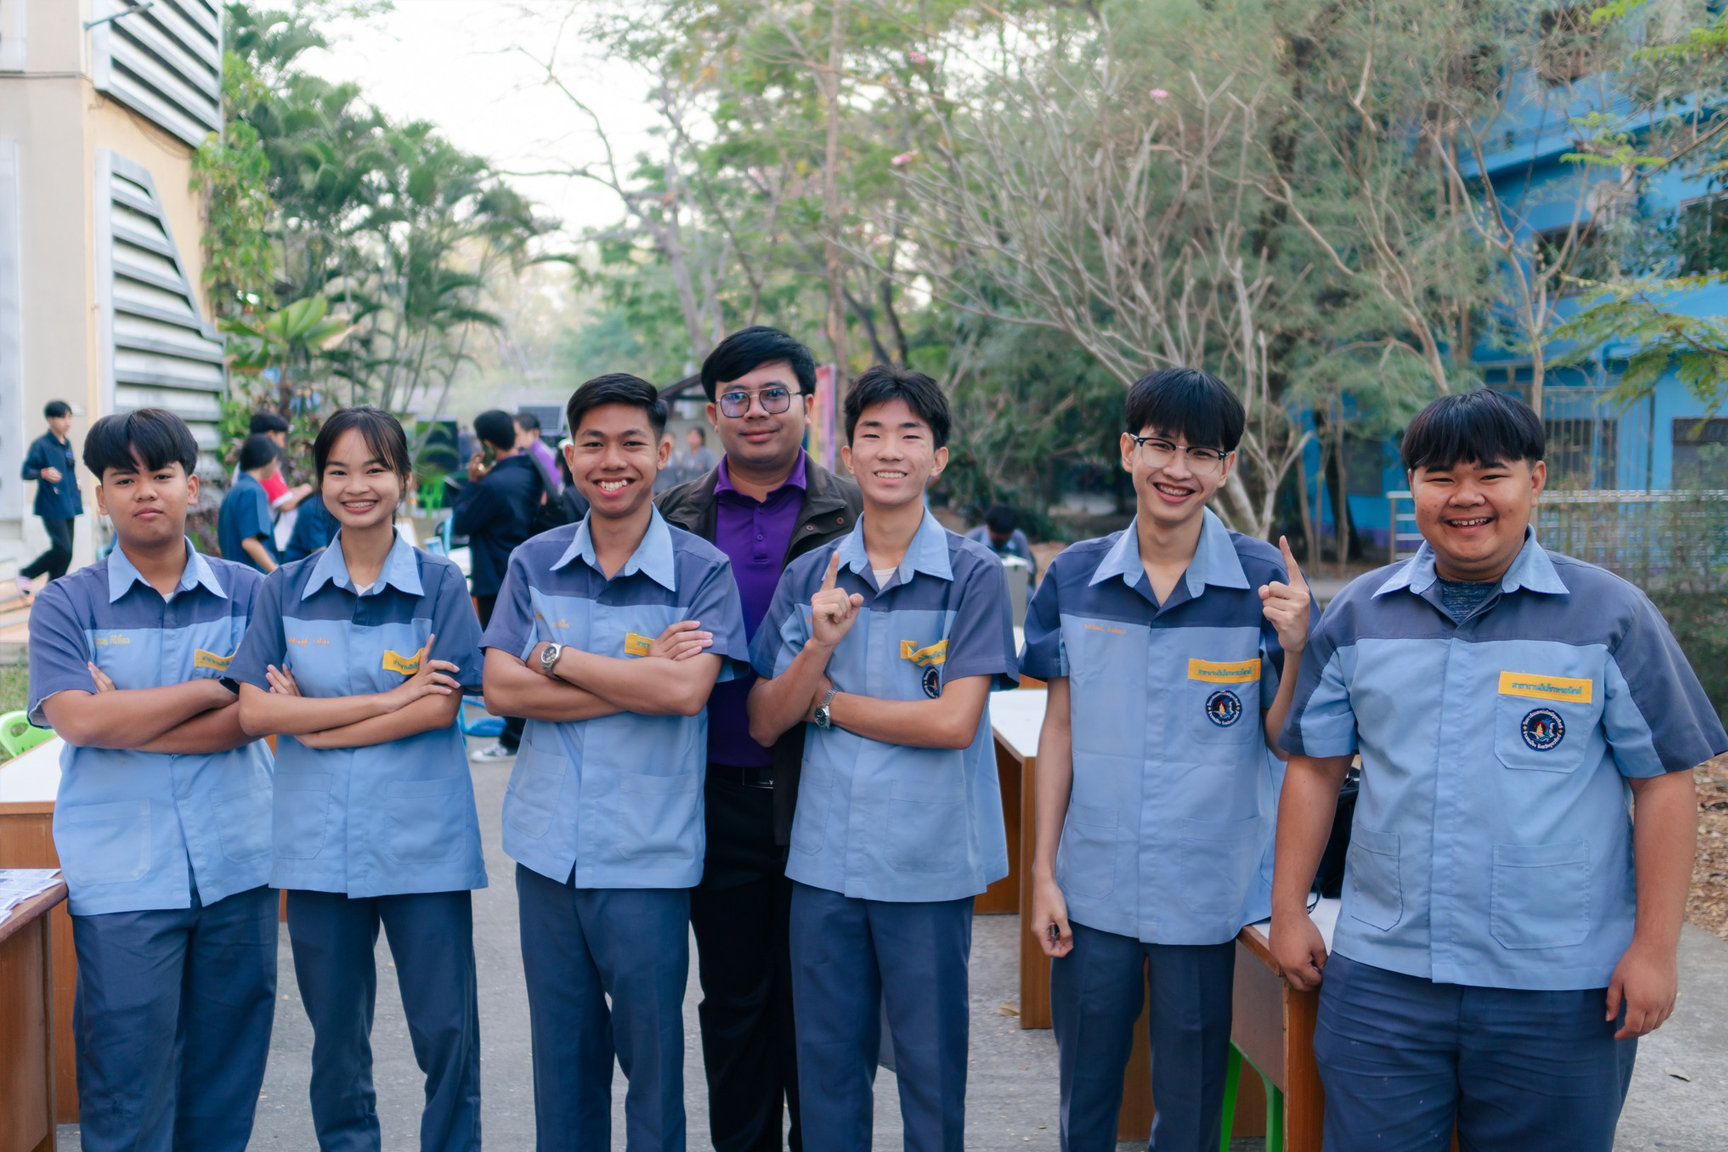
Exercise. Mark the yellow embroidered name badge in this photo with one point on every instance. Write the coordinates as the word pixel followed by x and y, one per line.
pixel 204 659
pixel 927 657
pixel 1224 671
pixel 635 645
pixel 406 665
pixel 1537 687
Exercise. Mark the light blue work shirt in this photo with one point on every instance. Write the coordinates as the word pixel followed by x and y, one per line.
pixel 127 824
pixel 384 819
pixel 616 800
pixel 1492 844
pixel 882 821
pixel 1168 837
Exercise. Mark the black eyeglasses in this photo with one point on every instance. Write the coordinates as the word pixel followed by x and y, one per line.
pixel 774 400
pixel 1159 452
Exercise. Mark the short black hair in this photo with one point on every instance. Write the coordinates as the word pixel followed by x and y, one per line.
pixel 882 383
pixel 55 409
pixel 267 422
pixel 257 451
pixel 1001 519
pixel 1189 403
pixel 701 434
pixel 497 428
pixel 1480 427
pixel 617 388
pixel 528 421
pixel 154 435
pixel 381 431
pixel 748 349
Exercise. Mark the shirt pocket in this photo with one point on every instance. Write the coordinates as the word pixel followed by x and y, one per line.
pixel 302 808
pixel 1220 701
pixel 927 825
pixel 104 843
pixel 243 818
pixel 1086 855
pixel 536 781
pixel 1372 892
pixel 815 795
pixel 1541 895
pixel 425 821
pixel 1220 859
pixel 1543 735
pixel 659 817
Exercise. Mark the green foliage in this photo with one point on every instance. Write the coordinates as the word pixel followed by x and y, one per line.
pixel 232 172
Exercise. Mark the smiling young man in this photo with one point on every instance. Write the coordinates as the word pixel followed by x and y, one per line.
pixel 1508 929
pixel 162 821
pixel 1171 650
pixel 608 636
pixel 764 505
pixel 883 646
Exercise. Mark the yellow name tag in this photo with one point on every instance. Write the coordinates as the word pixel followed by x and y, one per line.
pixel 406 665
pixel 1225 671
pixel 635 645
pixel 936 653
pixel 1537 687
pixel 203 659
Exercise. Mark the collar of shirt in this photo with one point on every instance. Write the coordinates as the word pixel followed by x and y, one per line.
pixel 122 574
pixel 1215 561
pixel 653 556
pixel 400 569
pixel 1531 570
pixel 723 482
pixel 928 552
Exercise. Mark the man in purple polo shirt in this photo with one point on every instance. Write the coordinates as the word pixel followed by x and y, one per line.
pixel 766 503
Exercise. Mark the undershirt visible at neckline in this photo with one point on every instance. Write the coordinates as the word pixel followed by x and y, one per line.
pixel 883 575
pixel 1462 597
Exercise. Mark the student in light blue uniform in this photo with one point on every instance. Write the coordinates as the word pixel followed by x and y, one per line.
pixel 887 643
pixel 608 636
pixel 162 821
pixel 1170 649
pixel 357 658
pixel 1508 928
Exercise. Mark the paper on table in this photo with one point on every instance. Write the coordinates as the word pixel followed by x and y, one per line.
pixel 19 884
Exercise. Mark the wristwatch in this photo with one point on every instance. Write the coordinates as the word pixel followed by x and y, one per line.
pixel 549 658
pixel 823 717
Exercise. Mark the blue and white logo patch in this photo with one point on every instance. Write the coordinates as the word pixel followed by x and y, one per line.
pixel 1223 708
pixel 1543 729
pixel 932 683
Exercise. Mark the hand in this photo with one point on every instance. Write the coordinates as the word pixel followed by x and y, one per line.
pixel 52 475
pixel 301 491
pixel 431 679
pixel 282 681
pixel 1286 605
pixel 1298 949
pixel 476 466
pixel 681 641
pixel 103 684
pixel 1646 981
pixel 823 687
pixel 832 611
pixel 1050 918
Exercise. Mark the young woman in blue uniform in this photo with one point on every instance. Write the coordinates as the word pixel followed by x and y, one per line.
pixel 356 658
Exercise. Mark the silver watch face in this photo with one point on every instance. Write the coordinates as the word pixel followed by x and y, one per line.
pixel 822 716
pixel 549 656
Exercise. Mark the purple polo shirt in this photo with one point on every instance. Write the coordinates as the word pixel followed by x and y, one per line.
pixel 754 534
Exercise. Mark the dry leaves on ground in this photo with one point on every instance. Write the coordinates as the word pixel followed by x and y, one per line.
pixel 1707 906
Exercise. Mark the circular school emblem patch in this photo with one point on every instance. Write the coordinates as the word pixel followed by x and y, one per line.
pixel 1543 729
pixel 932 683
pixel 1223 708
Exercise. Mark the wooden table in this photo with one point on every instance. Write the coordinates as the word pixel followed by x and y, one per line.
pixel 27 1024
pixel 27 788
pixel 1273 1028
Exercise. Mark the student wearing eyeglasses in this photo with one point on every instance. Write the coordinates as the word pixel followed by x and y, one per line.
pixel 1171 649
pixel 765 504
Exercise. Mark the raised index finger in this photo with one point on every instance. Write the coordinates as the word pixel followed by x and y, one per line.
pixel 1293 570
pixel 829 576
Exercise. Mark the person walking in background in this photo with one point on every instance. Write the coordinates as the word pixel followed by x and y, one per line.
pixel 764 504
pixel 1001 533
pixel 49 462
pixel 496 511
pixel 283 499
pixel 697 459
pixel 243 528
pixel 529 440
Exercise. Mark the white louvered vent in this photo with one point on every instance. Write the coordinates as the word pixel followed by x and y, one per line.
pixel 163 61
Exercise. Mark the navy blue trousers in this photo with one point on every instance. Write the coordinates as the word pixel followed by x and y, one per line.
pixel 1096 992
pixel 851 959
pixel 579 947
pixel 172 1020
pixel 1402 1058
pixel 432 943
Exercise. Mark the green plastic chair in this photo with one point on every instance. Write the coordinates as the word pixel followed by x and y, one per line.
pixel 1274 1103
pixel 18 735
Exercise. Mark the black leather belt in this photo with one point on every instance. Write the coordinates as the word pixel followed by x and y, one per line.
pixel 748 777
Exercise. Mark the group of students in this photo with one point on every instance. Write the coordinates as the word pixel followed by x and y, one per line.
pixel 1507 929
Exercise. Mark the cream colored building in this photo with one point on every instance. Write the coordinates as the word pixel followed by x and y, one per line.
pixel 102 103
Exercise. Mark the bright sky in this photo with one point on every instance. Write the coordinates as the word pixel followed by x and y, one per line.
pixel 466 66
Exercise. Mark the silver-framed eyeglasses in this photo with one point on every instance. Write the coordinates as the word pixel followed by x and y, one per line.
pixel 774 400
pixel 1159 452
